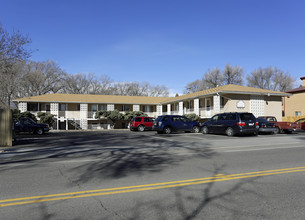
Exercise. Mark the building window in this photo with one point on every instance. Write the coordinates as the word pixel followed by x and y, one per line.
pixel 94 108
pixel 125 108
pixel 222 101
pixel 62 107
pixel 147 108
pixel 103 107
pixel 78 107
pixel 32 107
pixel 298 113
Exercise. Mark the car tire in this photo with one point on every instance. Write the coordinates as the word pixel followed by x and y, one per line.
pixel 141 128
pixel 39 131
pixel 205 130
pixel 167 130
pixel 255 133
pixel 230 132
pixel 278 130
pixel 196 129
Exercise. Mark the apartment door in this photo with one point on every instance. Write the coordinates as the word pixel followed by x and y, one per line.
pixel 208 107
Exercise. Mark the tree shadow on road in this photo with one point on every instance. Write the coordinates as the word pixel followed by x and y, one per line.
pixel 107 154
pixel 200 202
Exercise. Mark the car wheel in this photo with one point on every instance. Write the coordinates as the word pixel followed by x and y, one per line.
pixel 39 131
pixel 141 128
pixel 278 130
pixel 167 130
pixel 230 132
pixel 196 129
pixel 205 130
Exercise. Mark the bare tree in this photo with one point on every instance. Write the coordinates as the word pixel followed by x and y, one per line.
pixel 41 78
pixel 282 81
pixel 270 78
pixel 76 84
pixel 105 85
pixel 259 79
pixel 10 81
pixel 195 86
pixel 159 91
pixel 139 89
pixel 233 75
pixel 12 52
pixel 213 78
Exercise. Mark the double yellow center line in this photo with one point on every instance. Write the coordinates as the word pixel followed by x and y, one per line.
pixel 137 188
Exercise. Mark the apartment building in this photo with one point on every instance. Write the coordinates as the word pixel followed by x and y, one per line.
pixel 78 110
pixel 294 106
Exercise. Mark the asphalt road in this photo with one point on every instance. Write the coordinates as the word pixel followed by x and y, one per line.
pixel 131 175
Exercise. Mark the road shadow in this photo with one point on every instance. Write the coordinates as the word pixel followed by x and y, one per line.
pixel 107 154
pixel 205 201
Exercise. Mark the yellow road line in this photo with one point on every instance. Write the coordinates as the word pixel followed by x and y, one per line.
pixel 154 186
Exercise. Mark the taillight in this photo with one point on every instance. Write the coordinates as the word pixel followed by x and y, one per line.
pixel 256 123
pixel 241 123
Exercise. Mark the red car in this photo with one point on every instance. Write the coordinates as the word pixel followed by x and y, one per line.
pixel 302 122
pixel 141 123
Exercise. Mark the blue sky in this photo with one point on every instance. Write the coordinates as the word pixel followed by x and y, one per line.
pixel 169 42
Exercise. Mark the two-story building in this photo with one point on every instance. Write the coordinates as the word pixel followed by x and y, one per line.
pixel 77 110
pixel 294 106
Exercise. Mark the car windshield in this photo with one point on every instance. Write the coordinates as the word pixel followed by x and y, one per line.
pixel 302 120
pixel 262 120
pixel 247 117
pixel 158 119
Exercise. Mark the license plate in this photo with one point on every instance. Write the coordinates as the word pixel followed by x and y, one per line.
pixel 251 124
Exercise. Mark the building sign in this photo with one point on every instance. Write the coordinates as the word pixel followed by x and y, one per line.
pixel 240 104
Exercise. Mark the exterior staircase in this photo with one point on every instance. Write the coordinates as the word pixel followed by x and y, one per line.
pixel 75 123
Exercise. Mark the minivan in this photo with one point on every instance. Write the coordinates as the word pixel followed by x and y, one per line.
pixel 231 123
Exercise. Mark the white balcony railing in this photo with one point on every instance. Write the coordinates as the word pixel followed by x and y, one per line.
pixel 73 114
pixel 206 112
pixel 91 114
pixel 188 110
pixel 61 114
pixel 174 112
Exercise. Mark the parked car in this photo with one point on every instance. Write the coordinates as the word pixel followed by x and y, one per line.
pixel 28 125
pixel 301 122
pixel 282 127
pixel 141 123
pixel 169 123
pixel 231 123
pixel 266 127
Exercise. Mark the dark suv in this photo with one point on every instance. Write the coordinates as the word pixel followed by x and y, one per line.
pixel 141 123
pixel 231 123
pixel 168 123
pixel 28 125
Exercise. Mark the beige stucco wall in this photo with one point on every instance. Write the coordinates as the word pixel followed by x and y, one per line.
pixel 232 99
pixel 294 103
pixel 273 106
